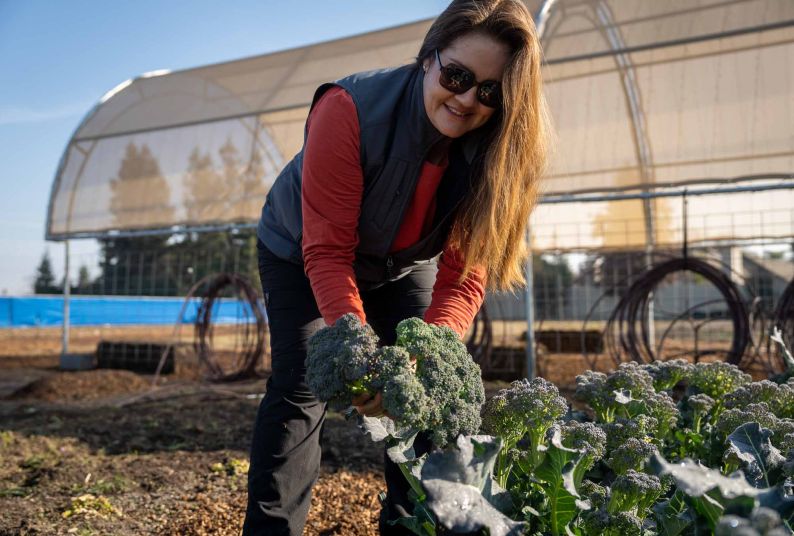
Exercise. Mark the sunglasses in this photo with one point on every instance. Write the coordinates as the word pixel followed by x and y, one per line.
pixel 459 80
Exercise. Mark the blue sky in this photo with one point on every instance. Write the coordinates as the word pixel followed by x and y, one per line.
pixel 58 58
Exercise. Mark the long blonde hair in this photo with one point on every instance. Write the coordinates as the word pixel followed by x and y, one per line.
pixel 489 230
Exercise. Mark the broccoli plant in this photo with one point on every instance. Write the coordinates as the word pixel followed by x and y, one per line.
pixel 528 408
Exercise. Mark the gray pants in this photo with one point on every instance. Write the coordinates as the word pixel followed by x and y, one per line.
pixel 285 450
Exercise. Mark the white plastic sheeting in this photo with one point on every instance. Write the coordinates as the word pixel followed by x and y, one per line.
pixel 644 95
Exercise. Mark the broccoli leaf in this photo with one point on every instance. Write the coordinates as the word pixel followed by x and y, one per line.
pixel 460 489
pixel 749 445
pixel 673 515
pixel 557 476
pixel 382 428
pixel 696 480
pixel 462 508
pixel 401 450
pixel 710 493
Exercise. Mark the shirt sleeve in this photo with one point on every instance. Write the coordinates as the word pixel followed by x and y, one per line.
pixel 455 303
pixel 331 195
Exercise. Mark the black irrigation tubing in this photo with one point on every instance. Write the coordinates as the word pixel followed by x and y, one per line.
pixel 252 344
pixel 783 319
pixel 626 332
pixel 480 342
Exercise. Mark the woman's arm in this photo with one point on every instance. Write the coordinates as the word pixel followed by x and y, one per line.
pixel 331 200
pixel 455 303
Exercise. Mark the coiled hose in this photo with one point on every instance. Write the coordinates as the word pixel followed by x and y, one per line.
pixel 626 333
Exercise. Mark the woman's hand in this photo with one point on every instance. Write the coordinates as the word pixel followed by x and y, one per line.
pixel 369 406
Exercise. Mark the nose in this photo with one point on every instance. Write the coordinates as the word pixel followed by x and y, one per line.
pixel 469 98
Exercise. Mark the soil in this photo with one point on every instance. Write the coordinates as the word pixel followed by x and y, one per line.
pixel 103 452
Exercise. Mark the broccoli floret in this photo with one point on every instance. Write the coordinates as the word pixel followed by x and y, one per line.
pixel 631 455
pixel 752 393
pixel 731 419
pixel 340 360
pixel 589 439
pixel 451 379
pixel 668 374
pixel 718 378
pixel 640 427
pixel 619 524
pixel 630 377
pixel 590 389
pixel 527 407
pixel 404 397
pixel 635 492
pixel 700 405
pixel 595 493
pixel 663 408
pixel 783 405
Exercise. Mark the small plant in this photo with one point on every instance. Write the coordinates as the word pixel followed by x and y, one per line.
pixel 89 505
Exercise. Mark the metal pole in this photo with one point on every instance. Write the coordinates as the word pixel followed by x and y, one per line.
pixel 530 305
pixel 66 293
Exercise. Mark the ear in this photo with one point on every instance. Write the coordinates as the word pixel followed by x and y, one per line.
pixel 426 64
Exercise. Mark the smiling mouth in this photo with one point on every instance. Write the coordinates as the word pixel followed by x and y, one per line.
pixel 456 113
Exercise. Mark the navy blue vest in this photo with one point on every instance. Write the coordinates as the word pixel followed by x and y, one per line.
pixel 396 136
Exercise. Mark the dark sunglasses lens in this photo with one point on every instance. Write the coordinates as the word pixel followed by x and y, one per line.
pixel 488 94
pixel 455 79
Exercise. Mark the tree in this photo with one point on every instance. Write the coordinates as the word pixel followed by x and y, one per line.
pixel 45 278
pixel 204 191
pixel 83 281
pixel 140 196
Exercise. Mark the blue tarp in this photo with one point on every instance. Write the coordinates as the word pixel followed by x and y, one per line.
pixel 45 311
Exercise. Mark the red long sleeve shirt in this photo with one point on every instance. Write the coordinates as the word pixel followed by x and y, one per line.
pixel 333 185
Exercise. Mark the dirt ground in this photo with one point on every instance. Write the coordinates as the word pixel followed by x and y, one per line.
pixel 103 452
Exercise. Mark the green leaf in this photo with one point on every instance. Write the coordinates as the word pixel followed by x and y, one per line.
pixel 696 480
pixel 673 515
pixel 557 480
pixel 750 448
pixel 455 481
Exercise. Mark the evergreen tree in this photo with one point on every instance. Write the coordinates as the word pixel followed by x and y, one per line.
pixel 83 281
pixel 45 278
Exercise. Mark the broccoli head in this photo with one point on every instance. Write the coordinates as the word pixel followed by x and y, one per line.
pixel 701 405
pixel 526 408
pixel 340 360
pixel 731 419
pixel 668 374
pixel 451 379
pixel 630 377
pixel 640 427
pixel 631 455
pixel 752 393
pixel 603 523
pixel 662 408
pixel 717 379
pixel 591 389
pixel 635 492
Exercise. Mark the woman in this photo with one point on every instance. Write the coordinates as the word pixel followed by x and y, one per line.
pixel 411 193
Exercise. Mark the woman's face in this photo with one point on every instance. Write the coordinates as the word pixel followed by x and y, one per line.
pixel 455 115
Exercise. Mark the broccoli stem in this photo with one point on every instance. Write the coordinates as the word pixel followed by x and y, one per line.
pixel 412 480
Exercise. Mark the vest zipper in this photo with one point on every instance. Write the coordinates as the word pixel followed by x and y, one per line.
pixel 389 266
